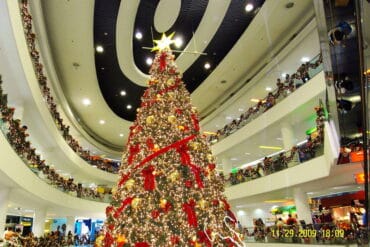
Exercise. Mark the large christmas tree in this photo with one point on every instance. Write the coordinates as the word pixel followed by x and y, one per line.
pixel 169 193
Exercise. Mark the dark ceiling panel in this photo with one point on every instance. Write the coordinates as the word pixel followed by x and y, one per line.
pixel 110 77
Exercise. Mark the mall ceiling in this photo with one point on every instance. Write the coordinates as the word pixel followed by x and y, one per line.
pixel 101 66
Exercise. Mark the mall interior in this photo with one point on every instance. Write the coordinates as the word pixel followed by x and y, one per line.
pixel 280 89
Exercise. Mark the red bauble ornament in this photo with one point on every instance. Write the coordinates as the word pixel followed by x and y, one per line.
pixel 155 214
pixel 142 244
pixel 188 184
pixel 215 202
pixel 211 167
pixel 175 239
pixel 150 143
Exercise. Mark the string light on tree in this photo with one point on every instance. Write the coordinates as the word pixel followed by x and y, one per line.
pixel 168 192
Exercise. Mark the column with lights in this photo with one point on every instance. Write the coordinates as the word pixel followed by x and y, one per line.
pixel 4 195
pixel 168 193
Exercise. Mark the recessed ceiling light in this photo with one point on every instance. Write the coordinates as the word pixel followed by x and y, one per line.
pixel 268 89
pixel 102 121
pixel 255 100
pixel 229 118
pixel 138 35
pixel 247 153
pixel 240 109
pixel 178 42
pixel 149 61
pixel 121 135
pixel 86 102
pixel 207 65
pixel 249 7
pixel 234 159
pixel 129 107
pixel 283 75
pixel 123 93
pixel 305 59
pixel 99 48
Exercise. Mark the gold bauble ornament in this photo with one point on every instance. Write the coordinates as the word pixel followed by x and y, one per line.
pixel 135 202
pixel 170 82
pixel 174 176
pixel 194 109
pixel 171 95
pixel 129 183
pixel 114 190
pixel 181 127
pixel 197 244
pixel 210 157
pixel 172 119
pixel 155 148
pixel 195 145
pixel 158 97
pixel 121 239
pixel 202 204
pixel 162 203
pixel 150 119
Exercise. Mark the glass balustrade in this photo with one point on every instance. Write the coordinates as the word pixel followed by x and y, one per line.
pixel 50 177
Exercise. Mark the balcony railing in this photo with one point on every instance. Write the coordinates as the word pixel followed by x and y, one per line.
pixel 16 135
pixel 284 88
pixel 104 164
pixel 298 154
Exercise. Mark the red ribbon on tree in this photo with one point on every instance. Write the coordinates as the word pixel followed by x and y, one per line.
pixel 203 237
pixel 123 179
pixel 162 61
pixel 142 244
pixel 195 122
pixel 185 160
pixel 124 203
pixel 150 143
pixel 134 149
pixel 227 205
pixel 149 178
pixel 108 210
pixel 108 240
pixel 188 208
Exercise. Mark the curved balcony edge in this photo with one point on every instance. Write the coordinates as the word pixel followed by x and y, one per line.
pixel 13 167
pixel 30 82
pixel 309 91
pixel 316 168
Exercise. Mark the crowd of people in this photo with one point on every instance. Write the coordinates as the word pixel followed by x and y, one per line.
pixel 17 136
pixel 57 238
pixel 297 154
pixel 283 89
pixel 101 163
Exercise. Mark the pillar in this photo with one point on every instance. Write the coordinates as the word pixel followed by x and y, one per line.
pixel 302 206
pixel 70 224
pixel 227 166
pixel 287 135
pixel 39 218
pixel 4 200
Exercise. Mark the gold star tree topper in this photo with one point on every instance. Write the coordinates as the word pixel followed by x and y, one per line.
pixel 164 42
